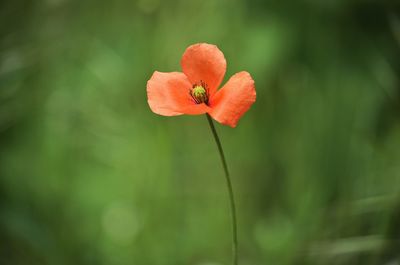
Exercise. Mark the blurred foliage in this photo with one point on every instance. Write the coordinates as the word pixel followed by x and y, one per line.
pixel 89 175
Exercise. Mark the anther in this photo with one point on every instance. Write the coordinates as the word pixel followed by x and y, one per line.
pixel 199 93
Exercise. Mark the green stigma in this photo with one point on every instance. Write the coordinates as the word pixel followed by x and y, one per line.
pixel 199 94
pixel 198 91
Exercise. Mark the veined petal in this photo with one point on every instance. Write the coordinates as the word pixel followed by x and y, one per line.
pixel 204 62
pixel 168 95
pixel 233 99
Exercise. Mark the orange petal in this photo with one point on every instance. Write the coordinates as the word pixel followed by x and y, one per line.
pixel 233 99
pixel 168 95
pixel 204 62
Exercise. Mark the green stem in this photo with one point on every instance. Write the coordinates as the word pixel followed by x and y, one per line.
pixel 230 190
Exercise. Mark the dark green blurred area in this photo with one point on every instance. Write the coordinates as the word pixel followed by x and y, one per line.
pixel 89 175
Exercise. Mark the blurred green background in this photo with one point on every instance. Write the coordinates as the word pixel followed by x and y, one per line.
pixel 89 175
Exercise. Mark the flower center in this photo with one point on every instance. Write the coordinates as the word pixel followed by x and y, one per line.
pixel 199 93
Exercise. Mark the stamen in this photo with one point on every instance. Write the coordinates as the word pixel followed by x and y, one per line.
pixel 199 93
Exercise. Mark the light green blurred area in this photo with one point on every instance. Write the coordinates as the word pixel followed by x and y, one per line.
pixel 89 175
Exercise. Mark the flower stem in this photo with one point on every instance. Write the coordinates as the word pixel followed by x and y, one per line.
pixel 230 190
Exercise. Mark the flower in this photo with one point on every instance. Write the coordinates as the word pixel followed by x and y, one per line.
pixel 195 91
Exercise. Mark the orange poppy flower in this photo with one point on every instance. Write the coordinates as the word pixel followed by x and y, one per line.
pixel 195 91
